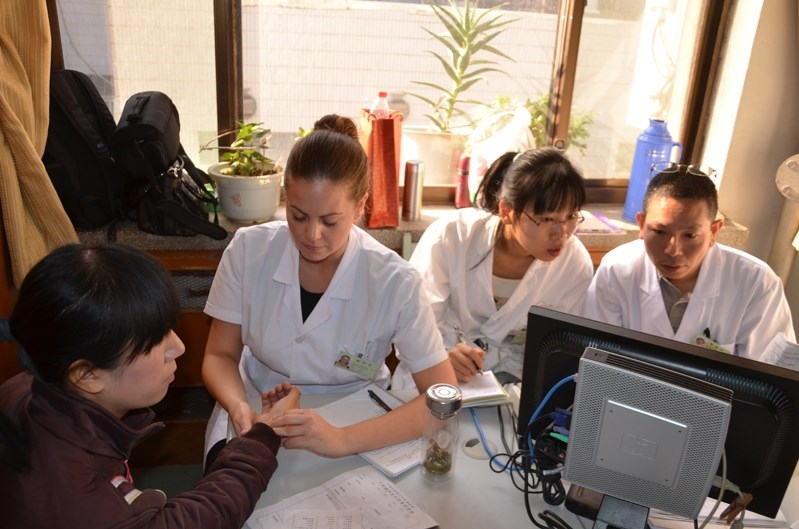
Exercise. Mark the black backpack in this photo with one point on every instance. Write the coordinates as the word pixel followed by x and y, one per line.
pixel 77 154
pixel 104 173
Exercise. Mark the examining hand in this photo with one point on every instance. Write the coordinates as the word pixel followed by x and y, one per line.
pixel 306 429
pixel 466 361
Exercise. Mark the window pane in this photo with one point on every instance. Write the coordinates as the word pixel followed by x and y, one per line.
pixel 128 47
pixel 633 64
pixel 303 59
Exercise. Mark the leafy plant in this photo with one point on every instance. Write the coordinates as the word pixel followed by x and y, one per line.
pixel 245 155
pixel 579 123
pixel 468 36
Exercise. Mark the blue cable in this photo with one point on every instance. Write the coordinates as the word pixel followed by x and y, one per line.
pixel 509 466
pixel 543 403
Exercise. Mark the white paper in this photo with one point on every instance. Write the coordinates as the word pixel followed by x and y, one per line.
pixel 392 460
pixel 750 519
pixel 483 389
pixel 781 352
pixel 350 519
pixel 381 503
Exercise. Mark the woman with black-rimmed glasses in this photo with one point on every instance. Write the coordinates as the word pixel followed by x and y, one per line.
pixel 485 266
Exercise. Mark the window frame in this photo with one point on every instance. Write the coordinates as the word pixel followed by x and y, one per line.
pixel 714 22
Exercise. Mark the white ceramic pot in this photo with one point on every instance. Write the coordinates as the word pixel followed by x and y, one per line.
pixel 247 198
pixel 440 152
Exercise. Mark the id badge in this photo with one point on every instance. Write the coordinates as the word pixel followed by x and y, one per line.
pixel 356 363
pixel 703 341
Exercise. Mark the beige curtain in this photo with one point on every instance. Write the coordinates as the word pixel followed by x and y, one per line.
pixel 33 219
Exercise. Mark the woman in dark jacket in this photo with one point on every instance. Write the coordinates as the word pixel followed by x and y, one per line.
pixel 95 328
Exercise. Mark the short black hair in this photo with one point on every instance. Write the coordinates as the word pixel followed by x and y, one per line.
pixel 681 185
pixel 101 303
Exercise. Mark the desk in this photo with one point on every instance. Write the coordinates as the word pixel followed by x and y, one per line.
pixel 475 497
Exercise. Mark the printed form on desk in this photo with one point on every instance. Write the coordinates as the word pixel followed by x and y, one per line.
pixel 360 499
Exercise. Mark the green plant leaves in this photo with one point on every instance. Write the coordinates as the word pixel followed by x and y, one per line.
pixel 468 31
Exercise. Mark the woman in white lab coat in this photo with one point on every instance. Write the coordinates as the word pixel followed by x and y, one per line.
pixel 318 302
pixel 483 268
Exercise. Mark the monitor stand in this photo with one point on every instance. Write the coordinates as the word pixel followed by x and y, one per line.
pixel 620 514
pixel 607 512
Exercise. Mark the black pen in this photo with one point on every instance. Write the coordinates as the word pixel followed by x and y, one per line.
pixel 378 400
pixel 462 339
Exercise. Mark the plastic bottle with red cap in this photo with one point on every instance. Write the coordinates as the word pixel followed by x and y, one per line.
pixel 380 106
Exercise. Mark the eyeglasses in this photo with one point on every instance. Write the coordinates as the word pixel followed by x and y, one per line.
pixel 548 223
pixel 671 167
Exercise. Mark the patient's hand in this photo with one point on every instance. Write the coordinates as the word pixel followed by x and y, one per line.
pixel 277 401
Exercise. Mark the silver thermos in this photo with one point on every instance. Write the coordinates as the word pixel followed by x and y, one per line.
pixel 412 193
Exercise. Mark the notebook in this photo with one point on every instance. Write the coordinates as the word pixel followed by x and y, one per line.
pixel 483 390
pixel 391 460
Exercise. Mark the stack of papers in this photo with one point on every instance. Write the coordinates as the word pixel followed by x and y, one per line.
pixel 660 519
pixel 355 499
pixel 596 222
pixel 483 390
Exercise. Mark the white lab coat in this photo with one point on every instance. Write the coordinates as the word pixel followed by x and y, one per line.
pixel 455 259
pixel 373 301
pixel 737 297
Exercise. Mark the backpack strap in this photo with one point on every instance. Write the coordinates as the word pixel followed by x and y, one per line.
pixel 64 85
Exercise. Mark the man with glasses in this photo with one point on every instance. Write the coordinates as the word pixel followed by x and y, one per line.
pixel 677 282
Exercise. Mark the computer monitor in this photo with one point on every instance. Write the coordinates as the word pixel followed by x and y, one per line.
pixel 762 444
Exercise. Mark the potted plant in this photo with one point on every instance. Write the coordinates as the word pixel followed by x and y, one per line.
pixel 493 117
pixel 467 36
pixel 248 182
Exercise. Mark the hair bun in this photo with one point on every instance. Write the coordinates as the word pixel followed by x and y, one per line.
pixel 336 123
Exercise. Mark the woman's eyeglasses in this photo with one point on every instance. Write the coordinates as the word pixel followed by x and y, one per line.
pixel 548 223
pixel 672 167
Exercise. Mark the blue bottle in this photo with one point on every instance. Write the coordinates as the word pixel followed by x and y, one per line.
pixel 654 145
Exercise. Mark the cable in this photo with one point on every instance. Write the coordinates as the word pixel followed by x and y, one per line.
pixel 722 489
pixel 540 407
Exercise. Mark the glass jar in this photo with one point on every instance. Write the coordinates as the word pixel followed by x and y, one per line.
pixel 440 438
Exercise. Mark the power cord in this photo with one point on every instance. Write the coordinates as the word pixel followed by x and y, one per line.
pixel 540 465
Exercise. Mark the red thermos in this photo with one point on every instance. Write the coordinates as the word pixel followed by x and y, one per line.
pixel 462 184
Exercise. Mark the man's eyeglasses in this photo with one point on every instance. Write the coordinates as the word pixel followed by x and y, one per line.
pixel 671 167
pixel 548 223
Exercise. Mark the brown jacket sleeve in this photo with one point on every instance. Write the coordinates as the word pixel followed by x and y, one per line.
pixel 226 495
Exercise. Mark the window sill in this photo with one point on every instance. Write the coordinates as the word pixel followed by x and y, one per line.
pixel 733 234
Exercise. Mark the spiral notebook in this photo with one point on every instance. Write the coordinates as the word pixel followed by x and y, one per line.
pixel 483 390
pixel 391 460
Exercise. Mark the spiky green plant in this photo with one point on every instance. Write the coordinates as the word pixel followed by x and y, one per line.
pixel 469 32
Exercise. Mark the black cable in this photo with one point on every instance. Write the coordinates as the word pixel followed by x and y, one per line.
pixel 551 521
pixel 549 459
pixel 502 429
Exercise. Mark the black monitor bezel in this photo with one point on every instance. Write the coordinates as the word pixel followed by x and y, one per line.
pixel 556 340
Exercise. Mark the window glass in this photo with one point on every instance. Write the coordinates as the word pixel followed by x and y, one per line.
pixel 128 47
pixel 305 59
pixel 633 64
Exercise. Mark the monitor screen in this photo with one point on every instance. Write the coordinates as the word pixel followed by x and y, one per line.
pixel 762 445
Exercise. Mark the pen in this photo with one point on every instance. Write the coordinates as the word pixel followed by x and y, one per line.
pixel 378 400
pixel 479 343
